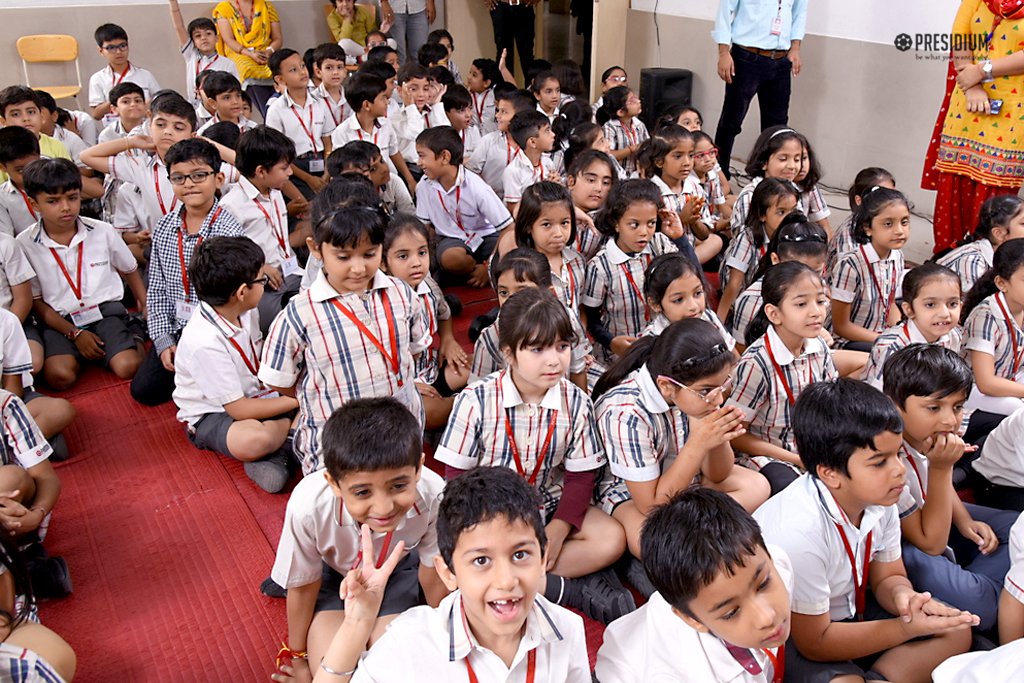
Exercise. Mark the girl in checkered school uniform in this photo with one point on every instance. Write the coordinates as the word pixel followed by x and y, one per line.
pixel 675 289
pixel 612 297
pixel 807 179
pixel 842 242
pixel 667 160
pixel 992 316
pixel 589 135
pixel 772 201
pixel 591 177
pixel 442 369
pixel 786 355
pixel 530 417
pixel 931 303
pixel 715 183
pixel 867 281
pixel 619 114
pixel 661 418
pixel 546 222
pixel 705 163
pixel 1001 218
pixel 778 153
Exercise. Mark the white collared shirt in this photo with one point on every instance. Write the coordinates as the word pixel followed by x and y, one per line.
pixel 520 173
pixel 483 111
pixel 409 122
pixel 196 63
pixel 318 529
pixel 306 125
pixel 434 644
pixel 469 207
pixel 383 135
pixel 15 356
pixel 1000 461
pixel 1014 582
pixel 660 323
pixel 898 337
pixel 492 155
pixel 14 268
pixel 244 124
pixel 654 645
pixel 72 143
pixel 210 371
pixel 338 111
pixel 104 80
pixel 16 213
pixel 251 209
pixel 803 520
pixel 104 257
pixel 1005 663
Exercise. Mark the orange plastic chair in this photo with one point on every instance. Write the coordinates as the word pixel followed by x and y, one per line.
pixel 50 48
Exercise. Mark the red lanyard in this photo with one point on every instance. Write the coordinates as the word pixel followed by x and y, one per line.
pixel 185 286
pixel 781 375
pixel 275 226
pixel 917 473
pixel 391 358
pixel 309 132
pixel 381 557
pixel 254 364
pixel 204 68
pixel 778 662
pixel 76 286
pixel 117 80
pixel 860 586
pixel 630 134
pixel 159 195
pixel 330 109
pixel 541 455
pixel 426 117
pixel 570 296
pixel 376 128
pixel 538 170
pixel 457 216
pixel 878 285
pixel 531 668
pixel 509 156
pixel 429 309
pixel 636 290
pixel 483 104
pixel 28 204
pixel 1011 329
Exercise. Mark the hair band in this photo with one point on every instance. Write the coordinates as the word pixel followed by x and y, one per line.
pixel 780 132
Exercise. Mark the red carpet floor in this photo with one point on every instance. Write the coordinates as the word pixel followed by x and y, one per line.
pixel 167 545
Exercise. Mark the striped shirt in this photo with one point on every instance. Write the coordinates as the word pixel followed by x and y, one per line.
pixel 988 330
pixel 22 444
pixel 742 255
pixel 817 207
pixel 488 358
pixel 660 322
pixel 712 185
pixel 764 386
pixel 841 244
pixel 168 284
pixel 615 284
pixel 569 282
pixel 642 434
pixel 557 436
pixel 748 304
pixel 435 309
pixel 589 240
pixel 916 489
pixel 620 137
pixel 741 207
pixel 898 337
pixel 314 346
pixel 676 201
pixel 969 262
pixel 869 284
pixel 21 665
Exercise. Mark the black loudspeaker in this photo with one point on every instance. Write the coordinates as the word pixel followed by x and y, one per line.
pixel 661 88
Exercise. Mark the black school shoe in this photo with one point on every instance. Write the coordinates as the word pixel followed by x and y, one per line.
pixel 272 472
pixel 482 322
pixel 49 575
pixel 59 446
pixel 600 596
pixel 638 579
pixel 454 303
pixel 271 589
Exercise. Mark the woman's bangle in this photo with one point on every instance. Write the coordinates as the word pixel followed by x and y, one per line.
pixel 270 49
pixel 335 673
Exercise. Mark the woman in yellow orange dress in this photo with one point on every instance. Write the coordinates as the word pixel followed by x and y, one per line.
pixel 249 33
pixel 977 151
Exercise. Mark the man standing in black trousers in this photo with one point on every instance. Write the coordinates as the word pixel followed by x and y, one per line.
pixel 758 53
pixel 513 22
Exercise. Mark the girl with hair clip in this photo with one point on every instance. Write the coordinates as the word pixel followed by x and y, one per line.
pixel 442 369
pixel 867 281
pixel 531 418
pixel 661 417
pixel 667 160
pixel 787 354
pixel 807 179
pixel 777 153
pixel 612 300
pixel 842 242
pixel 1001 219
pixel 770 203
pixel 589 135
pixel 622 126
pixel 993 314
pixel 931 303
pixel 675 289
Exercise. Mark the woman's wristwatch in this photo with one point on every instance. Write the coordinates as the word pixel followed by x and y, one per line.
pixel 986 71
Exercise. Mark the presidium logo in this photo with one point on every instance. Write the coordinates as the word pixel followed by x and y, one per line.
pixel 938 45
pixel 903 42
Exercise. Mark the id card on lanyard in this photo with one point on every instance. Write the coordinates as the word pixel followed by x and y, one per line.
pixel 777 22
pixel 316 164
pixel 289 262
pixel 473 240
pixel 84 315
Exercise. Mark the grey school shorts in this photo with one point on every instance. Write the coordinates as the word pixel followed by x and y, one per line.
pixel 401 592
pixel 112 330
pixel 480 255
pixel 211 432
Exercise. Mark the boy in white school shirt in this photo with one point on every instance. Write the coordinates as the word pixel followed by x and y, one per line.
pixel 301 117
pixel 112 41
pixel 458 108
pixel 264 158
pixel 198 48
pixel 329 67
pixel 496 150
pixel 79 265
pixel 839 525
pixel 370 486
pixel 421 108
pixel 1011 602
pixel 532 133
pixel 18 148
pixel 223 94
pixel 224 407
pixel 494 627
pixel 721 612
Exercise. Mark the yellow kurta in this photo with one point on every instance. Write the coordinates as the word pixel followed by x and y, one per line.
pixel 256 36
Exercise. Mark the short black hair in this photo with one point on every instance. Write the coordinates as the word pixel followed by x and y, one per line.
pixel 481 495
pixel 307 59
pixel 223 133
pixel 439 34
pixel 441 75
pixel 363 87
pixel 220 82
pixel 16 94
pixel 108 32
pixel 200 24
pixel 193 149
pixel 220 265
pixel 411 70
pixel 488 68
pixel 125 88
pixel 456 98
pixel 347 226
pixel 526 265
pixel 274 63
pixel 17 143
pixel 379 53
pixel 262 146
pixel 527 124
pixel 381 70
pixel 431 53
pixel 347 190
pixel 326 51
pixel 442 139
pixel 692 539
pixel 357 154
pixel 173 104
pixel 833 419
pixel 352 438
pixel 925 370
pixel 46 101
pixel 51 176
